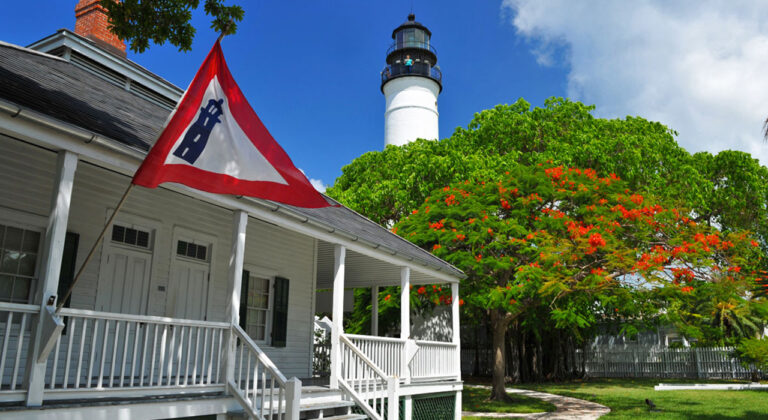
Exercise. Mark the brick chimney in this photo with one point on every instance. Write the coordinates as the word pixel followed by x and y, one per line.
pixel 91 22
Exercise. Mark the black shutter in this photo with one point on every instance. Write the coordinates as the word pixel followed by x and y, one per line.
pixel 244 298
pixel 68 261
pixel 280 313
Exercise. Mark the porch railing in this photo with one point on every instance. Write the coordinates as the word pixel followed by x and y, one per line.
pixel 259 386
pixel 435 359
pixel 370 387
pixel 432 360
pixel 15 329
pixel 384 352
pixel 101 350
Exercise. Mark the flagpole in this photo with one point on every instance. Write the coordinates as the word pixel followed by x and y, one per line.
pixel 95 245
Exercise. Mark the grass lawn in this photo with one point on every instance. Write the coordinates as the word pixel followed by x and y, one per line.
pixel 475 399
pixel 626 399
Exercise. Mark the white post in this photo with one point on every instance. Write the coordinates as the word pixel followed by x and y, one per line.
pixel 375 311
pixel 405 334
pixel 456 327
pixel 292 398
pixel 393 401
pixel 339 256
pixel 234 284
pixel 457 407
pixel 53 249
pixel 405 303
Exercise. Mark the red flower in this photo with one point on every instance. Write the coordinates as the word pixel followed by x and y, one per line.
pixel 415 212
pixel 422 290
pixel 478 257
pixel 387 297
pixel 461 302
pixel 687 289
pixel 436 247
pixel 490 231
pixel 596 240
pixel 754 243
pixel 512 301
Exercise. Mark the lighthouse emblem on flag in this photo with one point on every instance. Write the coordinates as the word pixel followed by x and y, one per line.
pixel 197 135
pixel 215 142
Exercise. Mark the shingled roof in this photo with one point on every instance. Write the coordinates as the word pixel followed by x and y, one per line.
pixel 53 86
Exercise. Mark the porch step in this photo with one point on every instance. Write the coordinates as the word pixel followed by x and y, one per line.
pixel 343 417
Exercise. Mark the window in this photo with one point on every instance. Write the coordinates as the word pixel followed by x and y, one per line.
pixel 190 250
pixel 18 263
pixel 130 236
pixel 264 308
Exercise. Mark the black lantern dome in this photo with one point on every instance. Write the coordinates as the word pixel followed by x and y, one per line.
pixel 411 54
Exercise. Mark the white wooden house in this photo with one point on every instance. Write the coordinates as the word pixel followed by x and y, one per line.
pixel 196 304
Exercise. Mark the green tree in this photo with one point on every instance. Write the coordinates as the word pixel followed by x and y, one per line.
pixel 569 243
pixel 139 22
pixel 754 354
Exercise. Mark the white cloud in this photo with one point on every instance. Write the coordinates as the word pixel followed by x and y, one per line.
pixel 699 67
pixel 317 183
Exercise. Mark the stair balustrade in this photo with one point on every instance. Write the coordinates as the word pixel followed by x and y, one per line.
pixel 369 386
pixel 258 385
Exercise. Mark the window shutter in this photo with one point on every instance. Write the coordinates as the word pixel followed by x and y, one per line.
pixel 68 261
pixel 280 313
pixel 244 298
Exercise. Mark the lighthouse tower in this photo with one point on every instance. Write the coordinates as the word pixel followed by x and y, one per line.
pixel 411 82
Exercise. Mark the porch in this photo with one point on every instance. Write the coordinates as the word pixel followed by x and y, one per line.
pixel 140 340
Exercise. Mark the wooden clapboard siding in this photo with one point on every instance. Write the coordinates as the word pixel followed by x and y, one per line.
pixel 289 255
pixel 26 180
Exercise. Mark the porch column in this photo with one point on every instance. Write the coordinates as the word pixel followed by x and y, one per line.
pixel 405 303
pixel 53 249
pixel 405 333
pixel 234 284
pixel 457 342
pixel 375 311
pixel 339 256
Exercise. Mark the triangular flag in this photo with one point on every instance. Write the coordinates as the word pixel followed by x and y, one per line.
pixel 215 142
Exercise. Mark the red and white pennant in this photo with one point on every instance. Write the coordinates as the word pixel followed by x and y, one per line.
pixel 215 142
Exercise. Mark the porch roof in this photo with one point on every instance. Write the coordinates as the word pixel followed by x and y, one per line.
pixel 55 87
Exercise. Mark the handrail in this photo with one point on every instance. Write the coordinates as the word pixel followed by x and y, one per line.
pixel 85 313
pixel 411 44
pixel 374 338
pixel 19 307
pixel 436 343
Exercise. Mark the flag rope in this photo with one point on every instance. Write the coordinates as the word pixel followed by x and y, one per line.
pixel 95 245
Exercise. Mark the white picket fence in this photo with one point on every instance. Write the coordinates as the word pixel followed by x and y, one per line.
pixel 659 362
pixel 636 362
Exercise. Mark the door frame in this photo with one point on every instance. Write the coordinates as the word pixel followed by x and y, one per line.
pixel 129 219
pixel 199 238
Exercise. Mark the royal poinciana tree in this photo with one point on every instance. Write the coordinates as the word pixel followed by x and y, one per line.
pixel 572 244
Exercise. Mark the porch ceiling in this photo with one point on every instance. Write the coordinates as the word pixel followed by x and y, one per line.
pixel 363 271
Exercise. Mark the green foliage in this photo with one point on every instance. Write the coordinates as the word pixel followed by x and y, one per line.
pixel 754 351
pixel 139 22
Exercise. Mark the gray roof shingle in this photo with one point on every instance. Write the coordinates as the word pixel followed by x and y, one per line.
pixel 57 88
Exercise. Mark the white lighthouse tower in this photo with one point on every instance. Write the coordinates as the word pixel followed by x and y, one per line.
pixel 411 82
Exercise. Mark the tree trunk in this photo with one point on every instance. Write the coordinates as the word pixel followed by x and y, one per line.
pixel 499 323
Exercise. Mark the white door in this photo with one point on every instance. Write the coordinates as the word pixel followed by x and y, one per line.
pixel 188 289
pixel 124 281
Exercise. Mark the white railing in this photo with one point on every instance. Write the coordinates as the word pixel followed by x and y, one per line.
pixel 385 352
pixel 370 387
pixel 15 327
pixel 435 359
pixel 101 350
pixel 259 386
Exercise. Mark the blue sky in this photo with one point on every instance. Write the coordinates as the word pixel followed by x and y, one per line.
pixel 310 69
